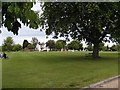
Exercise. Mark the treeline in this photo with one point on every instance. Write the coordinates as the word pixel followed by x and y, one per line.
pixel 62 45
pixel 51 45
pixel 102 47
pixel 8 45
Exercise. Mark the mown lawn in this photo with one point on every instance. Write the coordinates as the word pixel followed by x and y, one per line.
pixel 56 69
pixel 0 73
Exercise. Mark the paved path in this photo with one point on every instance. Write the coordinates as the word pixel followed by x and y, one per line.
pixel 113 82
pixel 110 84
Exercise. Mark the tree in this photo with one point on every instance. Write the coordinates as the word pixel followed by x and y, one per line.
pixel 74 45
pixel 50 44
pixel 91 22
pixel 34 42
pixel 116 34
pixel 25 44
pixel 14 12
pixel 8 44
pixel 60 44
pixel 17 47
pixel 30 46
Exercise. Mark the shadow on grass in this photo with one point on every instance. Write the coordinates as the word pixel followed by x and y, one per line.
pixel 78 59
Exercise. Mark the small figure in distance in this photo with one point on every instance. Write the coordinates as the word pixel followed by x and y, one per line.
pixel 4 55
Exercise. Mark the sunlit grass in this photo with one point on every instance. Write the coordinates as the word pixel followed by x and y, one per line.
pixel 0 73
pixel 56 69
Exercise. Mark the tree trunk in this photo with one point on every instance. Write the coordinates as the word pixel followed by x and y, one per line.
pixel 96 50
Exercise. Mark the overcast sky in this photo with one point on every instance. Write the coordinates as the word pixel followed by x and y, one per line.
pixel 27 33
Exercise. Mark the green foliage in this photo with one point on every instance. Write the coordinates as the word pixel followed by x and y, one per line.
pixel 12 11
pixel 50 44
pixel 0 48
pixel 34 42
pixel 25 43
pixel 101 47
pixel 31 46
pixel 74 45
pixel 116 18
pixel 89 21
pixel 89 47
pixel 60 44
pixel 114 48
pixel 80 20
pixel 8 44
pixel 17 47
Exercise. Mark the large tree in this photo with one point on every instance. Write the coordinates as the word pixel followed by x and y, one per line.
pixel 14 12
pixel 90 21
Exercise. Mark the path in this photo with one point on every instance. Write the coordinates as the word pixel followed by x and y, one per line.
pixel 110 84
pixel 113 82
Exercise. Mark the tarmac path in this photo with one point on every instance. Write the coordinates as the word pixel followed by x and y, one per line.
pixel 111 84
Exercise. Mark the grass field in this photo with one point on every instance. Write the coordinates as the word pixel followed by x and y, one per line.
pixel 56 69
pixel 0 73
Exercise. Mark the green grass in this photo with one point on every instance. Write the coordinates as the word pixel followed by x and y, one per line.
pixel 56 69
pixel 0 73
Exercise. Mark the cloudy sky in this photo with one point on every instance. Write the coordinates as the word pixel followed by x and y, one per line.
pixel 27 33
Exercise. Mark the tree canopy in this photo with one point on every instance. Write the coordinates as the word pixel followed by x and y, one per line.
pixel 60 44
pixel 25 44
pixel 50 44
pixel 8 44
pixel 90 21
pixel 34 41
pixel 17 47
pixel 14 12
pixel 74 45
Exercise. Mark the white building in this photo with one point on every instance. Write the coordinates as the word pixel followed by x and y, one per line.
pixel 42 47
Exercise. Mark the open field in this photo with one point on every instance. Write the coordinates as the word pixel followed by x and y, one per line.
pixel 56 69
pixel 0 73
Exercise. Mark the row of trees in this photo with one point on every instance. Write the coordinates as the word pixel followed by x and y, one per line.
pixel 9 45
pixel 102 47
pixel 89 21
pixel 62 45
pixel 59 45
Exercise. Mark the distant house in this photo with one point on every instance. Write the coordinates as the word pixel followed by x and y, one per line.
pixel 42 47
